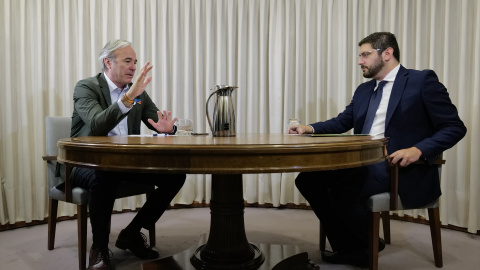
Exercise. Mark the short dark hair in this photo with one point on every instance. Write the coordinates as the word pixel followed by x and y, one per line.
pixel 382 40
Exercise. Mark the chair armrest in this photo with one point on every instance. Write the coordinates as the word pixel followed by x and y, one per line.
pixel 68 183
pixel 436 162
pixel 393 170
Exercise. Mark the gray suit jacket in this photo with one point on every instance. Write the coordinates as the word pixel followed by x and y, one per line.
pixel 95 115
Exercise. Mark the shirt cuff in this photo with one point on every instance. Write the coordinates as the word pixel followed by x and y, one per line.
pixel 313 130
pixel 122 106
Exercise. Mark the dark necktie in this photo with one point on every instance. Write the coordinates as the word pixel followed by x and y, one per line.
pixel 372 107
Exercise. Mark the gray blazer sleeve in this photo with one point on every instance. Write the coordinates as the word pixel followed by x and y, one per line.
pixel 93 114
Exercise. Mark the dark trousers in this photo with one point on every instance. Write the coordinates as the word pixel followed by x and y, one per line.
pixel 103 186
pixel 338 199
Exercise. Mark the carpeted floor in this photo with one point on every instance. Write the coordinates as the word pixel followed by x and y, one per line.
pixel 179 229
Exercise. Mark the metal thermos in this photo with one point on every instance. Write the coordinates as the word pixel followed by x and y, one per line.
pixel 222 121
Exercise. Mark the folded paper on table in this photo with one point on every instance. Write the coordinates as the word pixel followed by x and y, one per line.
pixel 335 135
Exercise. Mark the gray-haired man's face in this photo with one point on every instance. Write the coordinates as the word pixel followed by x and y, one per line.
pixel 121 69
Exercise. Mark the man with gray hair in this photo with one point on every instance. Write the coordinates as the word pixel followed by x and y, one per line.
pixel 108 104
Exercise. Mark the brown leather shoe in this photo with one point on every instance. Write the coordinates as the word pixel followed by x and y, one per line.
pixel 99 259
pixel 136 242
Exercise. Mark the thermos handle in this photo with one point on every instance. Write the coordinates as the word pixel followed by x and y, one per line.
pixel 208 115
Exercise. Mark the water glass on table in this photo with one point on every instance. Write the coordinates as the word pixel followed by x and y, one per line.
pixel 293 122
pixel 184 127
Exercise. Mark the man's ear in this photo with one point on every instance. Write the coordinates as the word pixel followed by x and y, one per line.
pixel 387 54
pixel 107 63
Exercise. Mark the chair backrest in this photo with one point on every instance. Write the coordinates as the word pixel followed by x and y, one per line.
pixel 56 128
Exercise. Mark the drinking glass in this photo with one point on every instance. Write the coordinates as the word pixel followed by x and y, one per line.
pixel 293 122
pixel 184 127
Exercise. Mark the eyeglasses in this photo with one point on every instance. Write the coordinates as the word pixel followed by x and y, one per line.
pixel 367 53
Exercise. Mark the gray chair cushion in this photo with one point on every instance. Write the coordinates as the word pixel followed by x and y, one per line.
pixel 56 189
pixel 58 127
pixel 381 202
pixel 79 195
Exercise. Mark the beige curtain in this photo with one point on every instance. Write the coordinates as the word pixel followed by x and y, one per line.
pixel 290 58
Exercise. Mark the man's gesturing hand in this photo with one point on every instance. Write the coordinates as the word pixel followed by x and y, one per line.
pixel 164 123
pixel 141 82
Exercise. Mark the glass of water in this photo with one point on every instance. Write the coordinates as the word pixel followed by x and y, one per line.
pixel 293 122
pixel 184 127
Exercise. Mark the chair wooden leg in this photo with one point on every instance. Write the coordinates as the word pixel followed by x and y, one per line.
pixel 374 228
pixel 82 235
pixel 52 222
pixel 151 233
pixel 323 238
pixel 434 217
pixel 386 226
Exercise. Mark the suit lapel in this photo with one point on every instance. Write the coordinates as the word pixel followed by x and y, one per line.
pixel 102 82
pixel 397 92
pixel 131 119
pixel 364 98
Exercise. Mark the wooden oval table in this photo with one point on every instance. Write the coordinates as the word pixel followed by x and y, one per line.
pixel 226 158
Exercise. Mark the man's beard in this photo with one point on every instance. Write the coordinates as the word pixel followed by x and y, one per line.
pixel 374 69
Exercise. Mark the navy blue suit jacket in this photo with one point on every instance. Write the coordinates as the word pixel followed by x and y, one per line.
pixel 421 114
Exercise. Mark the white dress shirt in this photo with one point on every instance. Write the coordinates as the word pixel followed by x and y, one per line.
pixel 115 94
pixel 378 126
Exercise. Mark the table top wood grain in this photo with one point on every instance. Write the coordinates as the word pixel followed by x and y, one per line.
pixel 244 153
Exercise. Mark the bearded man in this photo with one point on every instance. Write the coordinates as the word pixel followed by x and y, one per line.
pixel 409 107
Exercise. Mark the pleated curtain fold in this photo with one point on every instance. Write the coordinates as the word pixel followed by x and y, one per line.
pixel 289 58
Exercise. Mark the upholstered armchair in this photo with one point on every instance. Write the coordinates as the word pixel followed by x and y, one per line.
pixel 56 129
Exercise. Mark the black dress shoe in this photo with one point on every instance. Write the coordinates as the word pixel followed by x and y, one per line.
pixel 99 259
pixel 357 258
pixel 136 242
pixel 381 244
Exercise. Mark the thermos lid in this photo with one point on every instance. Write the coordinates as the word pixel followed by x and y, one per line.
pixel 219 87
